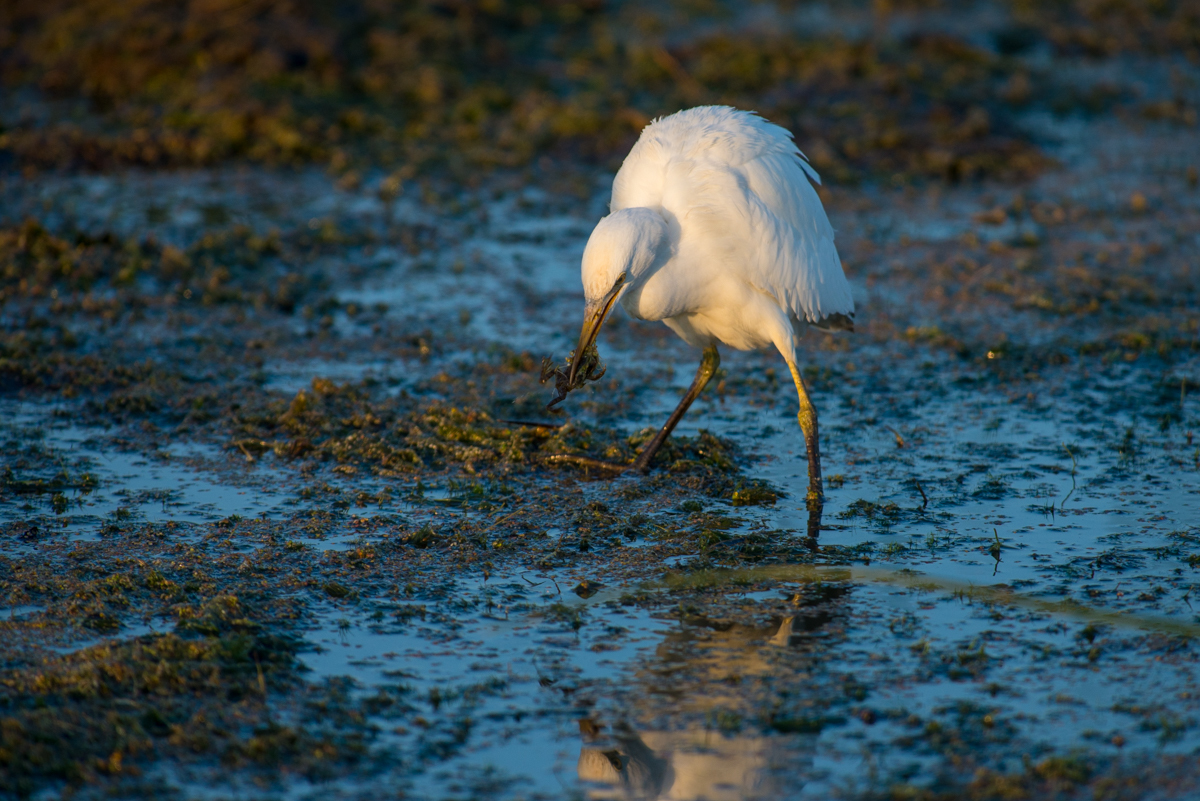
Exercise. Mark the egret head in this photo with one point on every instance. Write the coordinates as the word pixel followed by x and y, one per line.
pixel 619 253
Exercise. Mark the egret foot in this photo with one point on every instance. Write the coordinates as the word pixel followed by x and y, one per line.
pixel 808 424
pixel 814 524
pixel 709 363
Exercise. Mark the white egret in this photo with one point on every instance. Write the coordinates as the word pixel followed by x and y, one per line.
pixel 715 229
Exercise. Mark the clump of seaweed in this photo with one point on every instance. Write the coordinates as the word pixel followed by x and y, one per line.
pixel 590 369
pixel 78 273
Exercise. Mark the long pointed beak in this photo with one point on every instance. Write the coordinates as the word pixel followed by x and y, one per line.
pixel 593 318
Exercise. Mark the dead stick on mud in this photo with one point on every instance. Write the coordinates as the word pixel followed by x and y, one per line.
pixel 496 524
pixel 262 682
pixel 586 462
pixel 1073 466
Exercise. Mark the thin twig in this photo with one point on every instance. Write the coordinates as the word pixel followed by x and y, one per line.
pixel 586 461
pixel 1063 505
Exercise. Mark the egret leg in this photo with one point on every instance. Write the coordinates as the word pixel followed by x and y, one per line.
pixel 808 424
pixel 708 366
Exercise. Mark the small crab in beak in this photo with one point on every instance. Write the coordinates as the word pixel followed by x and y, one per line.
pixel 584 364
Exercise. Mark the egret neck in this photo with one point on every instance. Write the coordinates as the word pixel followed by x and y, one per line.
pixel 621 253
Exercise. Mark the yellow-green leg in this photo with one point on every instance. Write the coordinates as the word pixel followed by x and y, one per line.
pixel 709 362
pixel 808 424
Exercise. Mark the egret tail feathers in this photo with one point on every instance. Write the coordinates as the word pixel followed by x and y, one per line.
pixel 835 322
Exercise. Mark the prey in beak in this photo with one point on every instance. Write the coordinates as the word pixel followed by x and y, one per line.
pixel 593 318
pixel 584 364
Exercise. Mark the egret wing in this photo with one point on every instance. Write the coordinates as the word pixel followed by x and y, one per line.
pixel 709 134
pixel 740 188
pixel 795 259
pixel 763 222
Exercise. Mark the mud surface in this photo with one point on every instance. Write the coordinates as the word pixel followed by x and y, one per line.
pixel 276 516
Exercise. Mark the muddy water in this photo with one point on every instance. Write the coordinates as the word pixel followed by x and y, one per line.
pixel 1004 575
pixel 1063 652
pixel 185 482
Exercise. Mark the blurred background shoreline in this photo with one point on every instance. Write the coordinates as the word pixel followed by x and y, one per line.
pixel 902 90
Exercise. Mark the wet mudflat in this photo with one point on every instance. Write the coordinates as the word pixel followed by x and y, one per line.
pixel 275 519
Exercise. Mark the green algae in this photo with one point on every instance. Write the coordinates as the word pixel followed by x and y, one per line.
pixel 999 594
pixel 346 425
pixel 200 692
pixel 433 480
pixel 419 85
pixel 73 717
pixel 223 687
pixel 227 265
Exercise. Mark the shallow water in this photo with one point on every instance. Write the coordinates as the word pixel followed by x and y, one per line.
pixel 185 482
pixel 1004 573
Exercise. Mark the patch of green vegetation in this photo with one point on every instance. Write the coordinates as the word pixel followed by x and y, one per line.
pixel 349 425
pixel 103 273
pixel 992 487
pixel 870 509
pixel 498 83
pixel 225 686
pixel 1078 27
pixel 570 616
pixel 97 711
pixel 754 494
pixel 1068 770
pixel 803 725
pixel 10 483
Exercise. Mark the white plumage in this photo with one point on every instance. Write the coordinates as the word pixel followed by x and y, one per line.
pixel 715 229
pixel 733 191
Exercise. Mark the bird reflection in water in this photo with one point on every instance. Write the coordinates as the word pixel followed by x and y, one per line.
pixel 700 764
pixel 691 765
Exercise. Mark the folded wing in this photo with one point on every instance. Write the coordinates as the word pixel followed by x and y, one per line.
pixel 794 257
pixel 740 190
